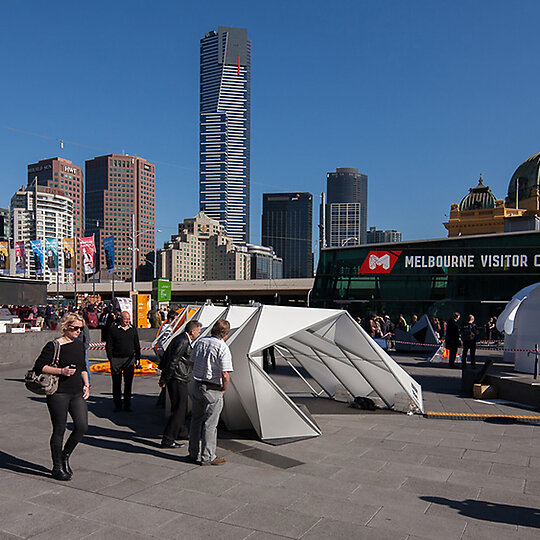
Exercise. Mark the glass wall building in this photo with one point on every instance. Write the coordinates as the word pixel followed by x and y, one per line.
pixel 225 116
pixel 473 274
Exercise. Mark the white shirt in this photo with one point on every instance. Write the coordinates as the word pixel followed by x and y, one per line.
pixel 210 356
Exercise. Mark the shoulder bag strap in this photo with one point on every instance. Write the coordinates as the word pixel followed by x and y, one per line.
pixel 56 357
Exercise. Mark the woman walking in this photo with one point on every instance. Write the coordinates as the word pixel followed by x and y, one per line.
pixel 73 391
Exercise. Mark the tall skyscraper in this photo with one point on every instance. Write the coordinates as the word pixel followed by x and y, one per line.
pixel 117 187
pixel 286 226
pixel 346 207
pixel 225 113
pixel 62 174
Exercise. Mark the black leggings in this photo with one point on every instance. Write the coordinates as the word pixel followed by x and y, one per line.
pixel 59 404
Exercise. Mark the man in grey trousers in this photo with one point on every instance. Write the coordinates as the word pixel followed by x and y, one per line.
pixel 212 363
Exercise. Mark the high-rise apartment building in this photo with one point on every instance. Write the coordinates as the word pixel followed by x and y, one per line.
pixel 4 225
pixel 62 174
pixel 202 251
pixel 346 207
pixel 37 213
pixel 117 187
pixel 376 236
pixel 287 227
pixel 265 264
pixel 225 111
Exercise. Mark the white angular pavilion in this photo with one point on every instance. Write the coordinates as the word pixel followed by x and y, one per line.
pixel 327 343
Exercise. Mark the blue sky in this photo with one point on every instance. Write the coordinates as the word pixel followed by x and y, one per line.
pixel 422 96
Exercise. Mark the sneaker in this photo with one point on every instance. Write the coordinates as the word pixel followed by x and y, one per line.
pixel 166 444
pixel 215 461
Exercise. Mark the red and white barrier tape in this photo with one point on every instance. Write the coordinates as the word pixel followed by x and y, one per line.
pixel 478 346
pixel 100 346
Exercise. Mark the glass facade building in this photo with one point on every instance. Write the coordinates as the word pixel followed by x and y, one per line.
pixel 225 117
pixel 473 274
pixel 287 226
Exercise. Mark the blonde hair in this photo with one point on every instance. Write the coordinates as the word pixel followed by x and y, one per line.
pixel 69 319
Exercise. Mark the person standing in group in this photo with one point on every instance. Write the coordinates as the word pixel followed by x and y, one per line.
pixel 212 363
pixel 123 351
pixel 175 376
pixel 71 395
pixel 469 335
pixel 452 338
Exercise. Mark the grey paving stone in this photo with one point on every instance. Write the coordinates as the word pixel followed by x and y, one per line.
pixel 532 487
pixel 123 489
pixel 259 535
pixel 254 475
pixel 321 470
pixel 423 487
pixel 338 487
pixel 368 464
pixel 26 519
pixel 515 471
pixel 272 519
pixel 328 528
pixel 340 510
pixel 145 472
pixel 137 517
pixel 195 528
pixel 388 497
pixel 395 456
pixel 76 528
pixel 117 533
pixel 413 436
pixel 418 471
pixel 458 464
pixel 502 496
pixel 487 480
pixel 267 495
pixel 93 480
pixel 69 500
pixel 404 521
pixel 198 480
pixel 21 487
pixel 476 530
pixel 439 450
pixel 362 478
pixel 471 445
pixel 498 457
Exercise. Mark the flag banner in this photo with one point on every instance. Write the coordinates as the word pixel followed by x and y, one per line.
pixel 20 258
pixel 37 249
pixel 4 258
pixel 108 246
pixel 68 251
pixel 88 251
pixel 51 249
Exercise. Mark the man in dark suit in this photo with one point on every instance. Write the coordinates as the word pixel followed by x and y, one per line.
pixel 175 375
pixel 452 338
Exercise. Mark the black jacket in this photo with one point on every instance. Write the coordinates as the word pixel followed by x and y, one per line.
pixel 452 334
pixel 123 343
pixel 175 361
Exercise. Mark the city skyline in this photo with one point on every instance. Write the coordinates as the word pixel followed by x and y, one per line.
pixel 418 109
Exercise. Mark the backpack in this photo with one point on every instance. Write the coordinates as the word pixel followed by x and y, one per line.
pixel 468 333
pixel 92 319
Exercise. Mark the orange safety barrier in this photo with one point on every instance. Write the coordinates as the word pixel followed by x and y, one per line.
pixel 147 368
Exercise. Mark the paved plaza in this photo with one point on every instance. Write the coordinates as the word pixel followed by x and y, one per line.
pixel 372 475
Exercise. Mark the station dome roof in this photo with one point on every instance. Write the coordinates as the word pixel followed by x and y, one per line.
pixel 527 179
pixel 478 198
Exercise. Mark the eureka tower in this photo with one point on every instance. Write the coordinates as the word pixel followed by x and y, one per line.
pixel 224 156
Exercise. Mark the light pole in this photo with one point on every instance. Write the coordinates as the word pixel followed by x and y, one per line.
pixel 344 242
pixel 134 237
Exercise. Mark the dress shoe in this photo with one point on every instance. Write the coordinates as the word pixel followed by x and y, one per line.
pixel 172 445
pixel 193 460
pixel 215 461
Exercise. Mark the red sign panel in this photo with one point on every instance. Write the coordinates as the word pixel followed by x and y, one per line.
pixel 379 262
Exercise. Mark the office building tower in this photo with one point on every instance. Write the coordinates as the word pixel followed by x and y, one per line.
pixel 287 227
pixel 375 236
pixel 37 213
pixel 346 207
pixel 117 187
pixel 61 174
pixel 265 264
pixel 4 225
pixel 225 111
pixel 202 251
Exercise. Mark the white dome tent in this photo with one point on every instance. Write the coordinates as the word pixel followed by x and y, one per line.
pixel 327 343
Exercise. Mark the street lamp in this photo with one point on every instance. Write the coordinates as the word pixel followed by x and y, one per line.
pixel 344 242
pixel 133 249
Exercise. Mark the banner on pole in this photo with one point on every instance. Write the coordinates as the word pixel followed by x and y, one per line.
pixel 88 251
pixel 51 248
pixel 68 252
pixel 108 246
pixel 37 249
pixel 20 257
pixel 4 258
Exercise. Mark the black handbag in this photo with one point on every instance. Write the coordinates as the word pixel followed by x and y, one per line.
pixel 44 384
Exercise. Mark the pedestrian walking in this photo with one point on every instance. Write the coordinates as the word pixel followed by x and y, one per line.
pixel 469 336
pixel 452 338
pixel 71 395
